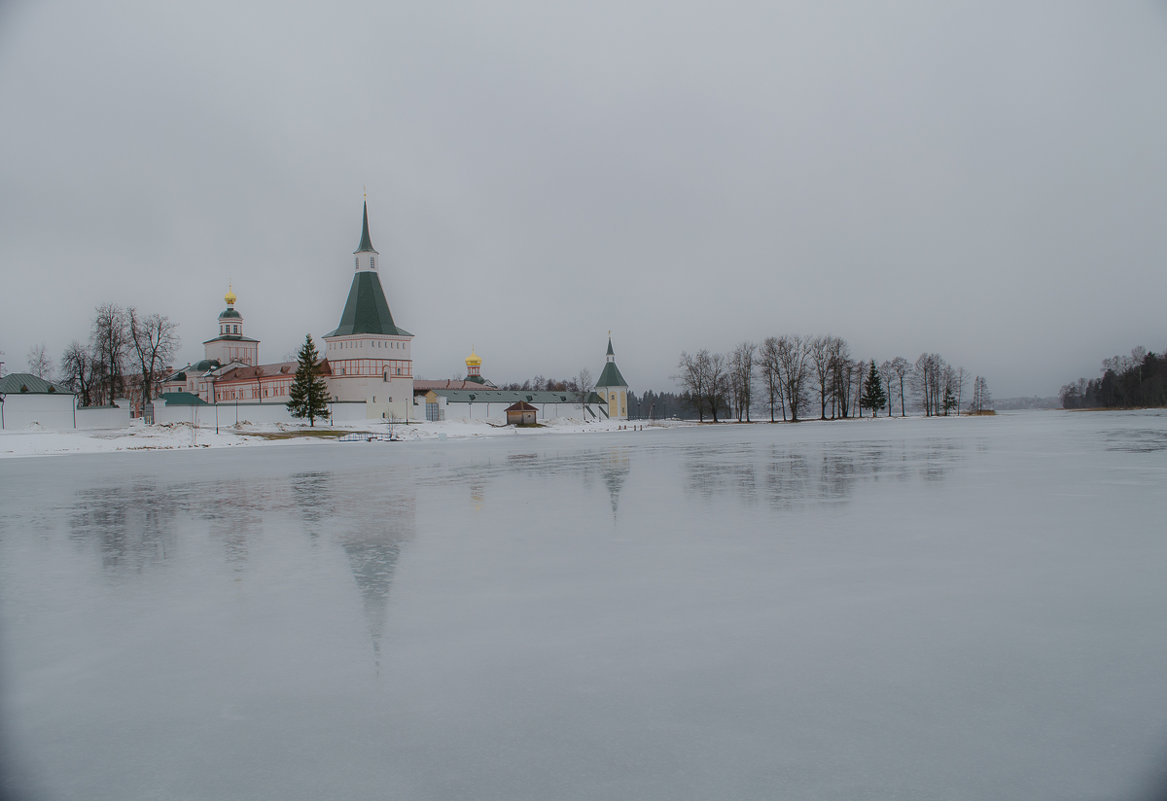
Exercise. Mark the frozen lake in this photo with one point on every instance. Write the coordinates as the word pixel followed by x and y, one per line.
pixel 909 609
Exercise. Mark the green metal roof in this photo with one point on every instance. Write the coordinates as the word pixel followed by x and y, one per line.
pixel 366 311
pixel 232 337
pixel 11 384
pixel 508 396
pixel 610 351
pixel 230 313
pixel 611 377
pixel 183 399
pixel 366 245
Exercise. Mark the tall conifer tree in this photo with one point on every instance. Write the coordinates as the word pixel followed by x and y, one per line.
pixel 308 393
pixel 874 398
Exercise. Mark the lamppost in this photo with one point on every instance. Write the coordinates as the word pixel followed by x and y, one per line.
pixel 2 396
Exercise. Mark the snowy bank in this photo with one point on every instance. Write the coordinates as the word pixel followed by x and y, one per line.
pixel 37 441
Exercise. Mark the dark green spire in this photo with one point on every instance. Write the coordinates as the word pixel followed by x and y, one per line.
pixel 610 375
pixel 366 245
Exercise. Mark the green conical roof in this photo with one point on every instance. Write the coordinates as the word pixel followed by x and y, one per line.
pixel 366 311
pixel 611 377
pixel 366 245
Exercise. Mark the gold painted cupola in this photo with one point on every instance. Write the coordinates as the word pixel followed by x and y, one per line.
pixel 231 347
pixel 368 354
pixel 474 368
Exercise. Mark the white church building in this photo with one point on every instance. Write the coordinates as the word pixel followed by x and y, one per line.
pixel 367 366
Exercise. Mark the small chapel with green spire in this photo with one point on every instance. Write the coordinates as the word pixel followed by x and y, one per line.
pixel 612 387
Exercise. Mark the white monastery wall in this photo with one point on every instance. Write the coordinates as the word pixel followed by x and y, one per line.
pixel 47 410
pixel 117 416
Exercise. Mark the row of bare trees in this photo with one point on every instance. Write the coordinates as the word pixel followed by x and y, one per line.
pixel 795 370
pixel 125 349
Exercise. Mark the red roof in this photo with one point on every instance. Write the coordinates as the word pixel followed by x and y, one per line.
pixel 269 371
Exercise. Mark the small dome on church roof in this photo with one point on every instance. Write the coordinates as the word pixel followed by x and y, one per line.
pixel 230 296
pixel 473 360
pixel 230 314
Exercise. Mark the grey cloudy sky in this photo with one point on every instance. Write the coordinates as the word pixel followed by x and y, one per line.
pixel 983 179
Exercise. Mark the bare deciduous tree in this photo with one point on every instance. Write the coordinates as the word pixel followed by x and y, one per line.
pixel 740 374
pixel 584 382
pixel 110 341
pixel 39 364
pixel 927 380
pixel 820 359
pixel 960 378
pixel 154 339
pixel 900 367
pixel 982 401
pixel 771 374
pixel 841 372
pixel 77 371
pixel 704 379
pixel 793 353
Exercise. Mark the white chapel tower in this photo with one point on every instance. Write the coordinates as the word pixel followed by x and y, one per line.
pixel 612 387
pixel 231 347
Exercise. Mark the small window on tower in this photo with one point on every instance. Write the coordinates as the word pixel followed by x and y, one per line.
pixel 356 261
pixel 372 261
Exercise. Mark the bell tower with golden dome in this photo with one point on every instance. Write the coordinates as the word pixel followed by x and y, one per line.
pixel 231 347
pixel 474 368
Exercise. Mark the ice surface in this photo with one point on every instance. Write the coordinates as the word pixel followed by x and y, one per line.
pixel 912 609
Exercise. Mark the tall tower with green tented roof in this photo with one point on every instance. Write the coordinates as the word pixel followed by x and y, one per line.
pixel 368 354
pixel 612 387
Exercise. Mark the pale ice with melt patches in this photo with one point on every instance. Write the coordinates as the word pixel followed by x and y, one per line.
pixel 913 609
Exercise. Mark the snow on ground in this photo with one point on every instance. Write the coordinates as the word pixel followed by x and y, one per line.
pixel 37 441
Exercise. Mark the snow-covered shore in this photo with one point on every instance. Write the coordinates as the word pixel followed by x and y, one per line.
pixel 35 441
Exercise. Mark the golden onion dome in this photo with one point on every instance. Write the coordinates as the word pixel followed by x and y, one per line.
pixel 230 296
pixel 473 360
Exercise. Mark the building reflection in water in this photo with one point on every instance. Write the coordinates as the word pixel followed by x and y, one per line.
pixel 372 541
pixel 132 526
pixel 614 469
pixel 793 476
pixel 145 524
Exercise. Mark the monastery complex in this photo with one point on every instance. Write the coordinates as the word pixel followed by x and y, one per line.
pixel 368 369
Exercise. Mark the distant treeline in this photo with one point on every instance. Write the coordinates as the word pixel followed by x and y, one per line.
pixel 1126 381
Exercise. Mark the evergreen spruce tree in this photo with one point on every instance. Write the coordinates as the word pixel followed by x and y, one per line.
pixel 309 393
pixel 874 398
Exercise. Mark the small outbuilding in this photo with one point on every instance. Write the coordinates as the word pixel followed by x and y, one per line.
pixel 28 400
pixel 521 414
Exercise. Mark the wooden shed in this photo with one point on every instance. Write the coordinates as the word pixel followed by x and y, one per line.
pixel 521 413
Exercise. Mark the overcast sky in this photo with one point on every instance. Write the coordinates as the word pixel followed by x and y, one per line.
pixel 987 180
